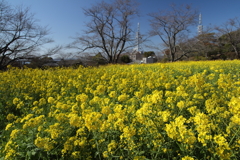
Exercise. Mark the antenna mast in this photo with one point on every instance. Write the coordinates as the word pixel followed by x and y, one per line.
pixel 138 39
pixel 200 26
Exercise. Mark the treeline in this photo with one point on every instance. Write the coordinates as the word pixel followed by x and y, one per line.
pixel 209 46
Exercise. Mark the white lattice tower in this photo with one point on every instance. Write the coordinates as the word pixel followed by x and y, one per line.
pixel 200 26
pixel 138 40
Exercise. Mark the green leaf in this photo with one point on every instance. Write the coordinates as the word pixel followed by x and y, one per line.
pixel 141 152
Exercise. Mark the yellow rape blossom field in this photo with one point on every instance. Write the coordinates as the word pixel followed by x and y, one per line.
pixel 182 110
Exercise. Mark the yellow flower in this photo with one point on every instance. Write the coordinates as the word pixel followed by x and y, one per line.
pixel 95 100
pixel 139 158
pixel 42 101
pixel 193 110
pixel 8 126
pixel 198 96
pixel 68 145
pixel 54 130
pixel 26 117
pixel 34 122
pixel 20 105
pixel 80 142
pixel 105 154
pixel 234 105
pixel 139 94
pixel 157 96
pixel 92 120
pixel 112 146
pixel 119 124
pixel 169 100
pixel 81 132
pixel 204 127
pixel 16 101
pixel 123 97
pixel 10 150
pixel 61 117
pixel 45 143
pixel 100 90
pixel 223 150
pixel 236 119
pixel 51 100
pixel 221 141
pixel 187 158
pixel 181 105
pixel 106 110
pixel 76 154
pixel 75 120
pixel 128 132
pixel 11 116
pixel 35 103
pixel 83 105
pixel 82 97
pixel 177 130
pixel 168 85
pixel 14 133
pixel 165 115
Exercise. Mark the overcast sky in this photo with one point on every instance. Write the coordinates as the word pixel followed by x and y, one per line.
pixel 65 18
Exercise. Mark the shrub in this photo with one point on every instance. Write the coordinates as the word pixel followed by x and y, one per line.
pixel 125 59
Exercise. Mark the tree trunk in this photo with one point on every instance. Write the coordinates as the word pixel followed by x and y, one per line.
pixel 236 51
pixel 172 56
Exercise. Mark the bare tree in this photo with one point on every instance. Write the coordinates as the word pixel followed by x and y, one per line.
pixel 230 33
pixel 200 45
pixel 109 30
pixel 185 47
pixel 169 24
pixel 20 34
pixel 58 49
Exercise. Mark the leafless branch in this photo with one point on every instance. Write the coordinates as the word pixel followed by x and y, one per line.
pixel 109 30
pixel 230 33
pixel 20 34
pixel 169 24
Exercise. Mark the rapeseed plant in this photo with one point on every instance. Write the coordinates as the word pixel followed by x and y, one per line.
pixel 182 110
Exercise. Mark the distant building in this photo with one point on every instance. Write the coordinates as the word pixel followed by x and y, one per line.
pixel 23 61
pixel 150 59
pixel 136 56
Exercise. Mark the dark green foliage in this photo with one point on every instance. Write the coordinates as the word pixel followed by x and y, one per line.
pixel 125 59
pixel 99 59
pixel 149 53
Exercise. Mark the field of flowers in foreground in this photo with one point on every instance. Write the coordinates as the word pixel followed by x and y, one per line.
pixel 184 110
